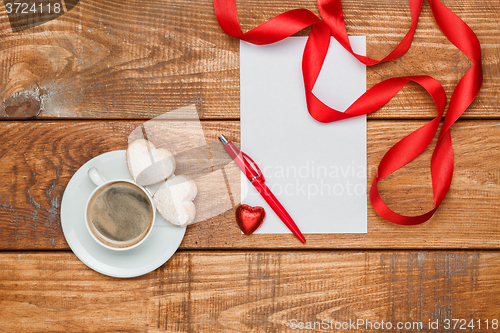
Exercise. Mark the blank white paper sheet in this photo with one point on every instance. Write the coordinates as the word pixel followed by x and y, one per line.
pixel 317 171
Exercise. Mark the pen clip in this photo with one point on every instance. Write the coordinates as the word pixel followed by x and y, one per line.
pixel 260 175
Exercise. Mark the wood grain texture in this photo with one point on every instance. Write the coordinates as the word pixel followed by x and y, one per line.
pixel 249 292
pixel 112 59
pixel 39 158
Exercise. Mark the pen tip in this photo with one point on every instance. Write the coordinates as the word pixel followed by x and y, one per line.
pixel 223 139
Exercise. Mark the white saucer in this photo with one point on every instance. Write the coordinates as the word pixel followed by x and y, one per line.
pixel 148 256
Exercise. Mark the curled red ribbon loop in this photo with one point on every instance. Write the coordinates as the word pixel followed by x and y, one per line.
pixel 288 23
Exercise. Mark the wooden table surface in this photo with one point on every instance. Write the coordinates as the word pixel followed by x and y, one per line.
pixel 75 87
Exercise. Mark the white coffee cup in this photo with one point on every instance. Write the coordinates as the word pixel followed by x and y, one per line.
pixel 119 214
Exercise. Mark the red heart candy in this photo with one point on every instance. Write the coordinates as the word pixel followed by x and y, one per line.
pixel 249 218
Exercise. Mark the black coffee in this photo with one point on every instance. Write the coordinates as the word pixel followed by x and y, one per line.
pixel 120 214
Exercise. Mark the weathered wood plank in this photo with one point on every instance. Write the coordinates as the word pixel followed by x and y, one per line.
pixel 38 159
pixel 251 292
pixel 110 59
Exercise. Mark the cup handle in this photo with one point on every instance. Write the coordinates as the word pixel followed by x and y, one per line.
pixel 96 177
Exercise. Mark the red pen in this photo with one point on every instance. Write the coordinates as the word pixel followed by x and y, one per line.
pixel 257 179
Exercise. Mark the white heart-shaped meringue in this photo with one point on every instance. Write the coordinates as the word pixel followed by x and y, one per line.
pixel 174 200
pixel 147 164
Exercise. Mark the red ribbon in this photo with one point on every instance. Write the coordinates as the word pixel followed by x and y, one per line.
pixel 333 24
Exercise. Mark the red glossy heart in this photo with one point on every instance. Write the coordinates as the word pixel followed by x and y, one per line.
pixel 249 218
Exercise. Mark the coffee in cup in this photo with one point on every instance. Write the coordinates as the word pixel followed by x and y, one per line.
pixel 119 214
